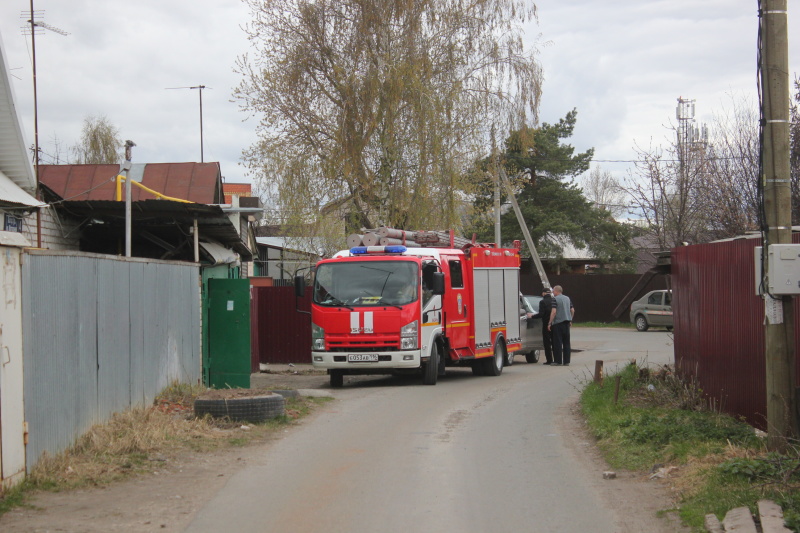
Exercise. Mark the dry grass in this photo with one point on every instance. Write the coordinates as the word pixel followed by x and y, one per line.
pixel 127 444
pixel 135 440
pixel 669 390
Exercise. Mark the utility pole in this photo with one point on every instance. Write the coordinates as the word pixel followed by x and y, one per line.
pixel 779 310
pixel 126 167
pixel 495 166
pixel 31 25
pixel 200 90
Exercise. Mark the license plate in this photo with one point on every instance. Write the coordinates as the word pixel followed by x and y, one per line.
pixel 362 358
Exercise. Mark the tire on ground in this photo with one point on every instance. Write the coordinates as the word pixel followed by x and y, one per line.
pixel 337 379
pixel 244 409
pixel 493 366
pixel 532 356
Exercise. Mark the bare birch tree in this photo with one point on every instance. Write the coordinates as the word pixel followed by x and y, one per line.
pixel 604 190
pixel 375 107
pixel 667 189
pixel 732 186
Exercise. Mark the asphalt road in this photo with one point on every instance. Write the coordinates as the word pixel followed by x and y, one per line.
pixel 471 454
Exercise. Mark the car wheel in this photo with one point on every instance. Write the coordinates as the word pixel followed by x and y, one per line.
pixel 493 366
pixel 431 371
pixel 669 328
pixel 641 323
pixel 509 359
pixel 533 356
pixel 337 379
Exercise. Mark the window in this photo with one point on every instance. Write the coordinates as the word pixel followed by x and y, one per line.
pixel 654 299
pixel 456 277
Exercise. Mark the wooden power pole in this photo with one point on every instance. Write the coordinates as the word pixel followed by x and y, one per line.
pixel 779 312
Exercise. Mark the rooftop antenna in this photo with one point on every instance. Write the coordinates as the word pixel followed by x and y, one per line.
pixel 32 25
pixel 200 90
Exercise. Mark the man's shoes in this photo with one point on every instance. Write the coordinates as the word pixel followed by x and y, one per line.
pixel 547 363
pixel 565 364
pixel 556 364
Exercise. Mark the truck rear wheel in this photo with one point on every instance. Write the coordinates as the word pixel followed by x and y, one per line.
pixel 493 366
pixel 431 371
pixel 337 379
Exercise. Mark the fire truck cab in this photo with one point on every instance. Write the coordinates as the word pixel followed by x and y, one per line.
pixel 384 309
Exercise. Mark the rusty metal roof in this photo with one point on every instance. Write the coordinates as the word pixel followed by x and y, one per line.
pixel 196 182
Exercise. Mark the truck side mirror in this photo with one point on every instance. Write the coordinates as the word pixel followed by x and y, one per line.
pixel 299 286
pixel 437 283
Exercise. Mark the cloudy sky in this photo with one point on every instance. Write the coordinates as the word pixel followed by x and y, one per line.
pixel 621 63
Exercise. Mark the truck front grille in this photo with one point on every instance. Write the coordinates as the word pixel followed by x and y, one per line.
pixel 360 343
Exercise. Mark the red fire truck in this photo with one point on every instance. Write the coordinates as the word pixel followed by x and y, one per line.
pixel 395 307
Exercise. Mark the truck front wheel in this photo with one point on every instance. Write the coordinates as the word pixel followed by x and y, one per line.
pixel 431 371
pixel 494 364
pixel 337 379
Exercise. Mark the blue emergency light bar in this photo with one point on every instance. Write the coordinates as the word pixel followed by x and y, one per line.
pixel 392 249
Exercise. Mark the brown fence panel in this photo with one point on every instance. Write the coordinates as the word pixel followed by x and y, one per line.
pixel 595 296
pixel 283 335
pixel 719 332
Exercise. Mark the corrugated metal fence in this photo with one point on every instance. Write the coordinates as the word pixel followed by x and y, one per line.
pixel 719 332
pixel 595 296
pixel 102 334
pixel 280 333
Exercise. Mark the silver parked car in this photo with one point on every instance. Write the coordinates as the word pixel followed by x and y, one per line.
pixel 652 309
pixel 530 329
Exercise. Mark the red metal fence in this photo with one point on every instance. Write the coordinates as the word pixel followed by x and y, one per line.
pixel 280 334
pixel 719 333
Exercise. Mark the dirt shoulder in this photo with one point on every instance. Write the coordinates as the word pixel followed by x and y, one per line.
pixel 167 498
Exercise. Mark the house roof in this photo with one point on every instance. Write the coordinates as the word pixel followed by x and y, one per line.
pixel 304 245
pixel 14 162
pixel 13 194
pixel 163 217
pixel 196 182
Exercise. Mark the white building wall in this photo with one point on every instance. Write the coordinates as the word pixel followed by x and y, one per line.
pixel 58 233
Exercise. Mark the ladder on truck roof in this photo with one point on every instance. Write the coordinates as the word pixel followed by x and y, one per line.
pixel 384 236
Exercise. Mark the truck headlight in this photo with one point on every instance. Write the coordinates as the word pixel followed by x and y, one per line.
pixel 409 336
pixel 317 338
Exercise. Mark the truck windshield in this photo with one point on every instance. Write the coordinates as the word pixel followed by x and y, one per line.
pixel 366 283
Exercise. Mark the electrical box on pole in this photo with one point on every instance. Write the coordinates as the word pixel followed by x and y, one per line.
pixel 784 273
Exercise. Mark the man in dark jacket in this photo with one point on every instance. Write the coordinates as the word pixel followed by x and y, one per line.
pixel 545 306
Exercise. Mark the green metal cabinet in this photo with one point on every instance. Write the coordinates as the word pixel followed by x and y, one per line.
pixel 228 333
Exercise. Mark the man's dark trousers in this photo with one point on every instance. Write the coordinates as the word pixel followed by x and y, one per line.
pixel 561 346
pixel 547 339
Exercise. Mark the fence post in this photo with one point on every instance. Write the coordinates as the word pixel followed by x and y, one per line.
pixel 598 372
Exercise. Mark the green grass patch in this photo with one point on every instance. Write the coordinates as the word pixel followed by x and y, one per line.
pixel 660 420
